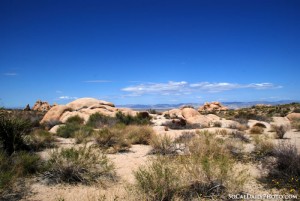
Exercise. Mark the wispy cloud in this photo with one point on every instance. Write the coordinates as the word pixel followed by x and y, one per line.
pixel 10 74
pixel 58 91
pixel 185 88
pixel 97 81
pixel 67 98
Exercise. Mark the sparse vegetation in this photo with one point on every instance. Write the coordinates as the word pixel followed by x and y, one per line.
pixel 206 172
pixel 78 166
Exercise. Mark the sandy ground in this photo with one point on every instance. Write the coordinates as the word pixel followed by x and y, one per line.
pixel 127 163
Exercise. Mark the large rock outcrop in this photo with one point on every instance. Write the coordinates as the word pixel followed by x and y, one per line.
pixel 84 108
pixel 211 107
pixel 293 116
pixel 41 106
pixel 191 116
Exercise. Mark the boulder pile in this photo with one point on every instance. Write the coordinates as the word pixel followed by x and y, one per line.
pixel 212 107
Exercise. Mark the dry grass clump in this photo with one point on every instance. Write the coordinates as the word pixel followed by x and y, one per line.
pixel 159 180
pixel 263 147
pixel 222 132
pixel 163 145
pixel 40 139
pixel 112 140
pixel 78 166
pixel 279 130
pixel 205 173
pixel 256 130
pixel 139 134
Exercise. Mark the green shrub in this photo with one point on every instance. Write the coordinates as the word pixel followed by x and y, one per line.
pixel 68 130
pixel 12 131
pixel 142 118
pixel 40 139
pixel 112 140
pixel 75 120
pixel 16 166
pixel 78 166
pixel 98 120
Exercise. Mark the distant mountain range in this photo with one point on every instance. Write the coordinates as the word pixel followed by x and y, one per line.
pixel 231 105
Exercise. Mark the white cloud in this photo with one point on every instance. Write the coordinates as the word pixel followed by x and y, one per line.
pixel 184 88
pixel 10 74
pixel 97 81
pixel 67 98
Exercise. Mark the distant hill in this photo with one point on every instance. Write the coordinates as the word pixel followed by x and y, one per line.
pixel 231 105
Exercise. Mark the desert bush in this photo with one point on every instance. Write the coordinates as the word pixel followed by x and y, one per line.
pixel 217 124
pixel 83 134
pixel 75 120
pixel 279 130
pixel 263 147
pixel 256 130
pixel 142 118
pixel 98 120
pixel 185 137
pixel 286 171
pixel 241 135
pixel 68 130
pixel 163 145
pixel 112 140
pixel 15 167
pixel 158 181
pixel 139 134
pixel 78 166
pixel 12 132
pixel 40 139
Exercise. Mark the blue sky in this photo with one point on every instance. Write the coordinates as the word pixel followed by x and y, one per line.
pixel 149 51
